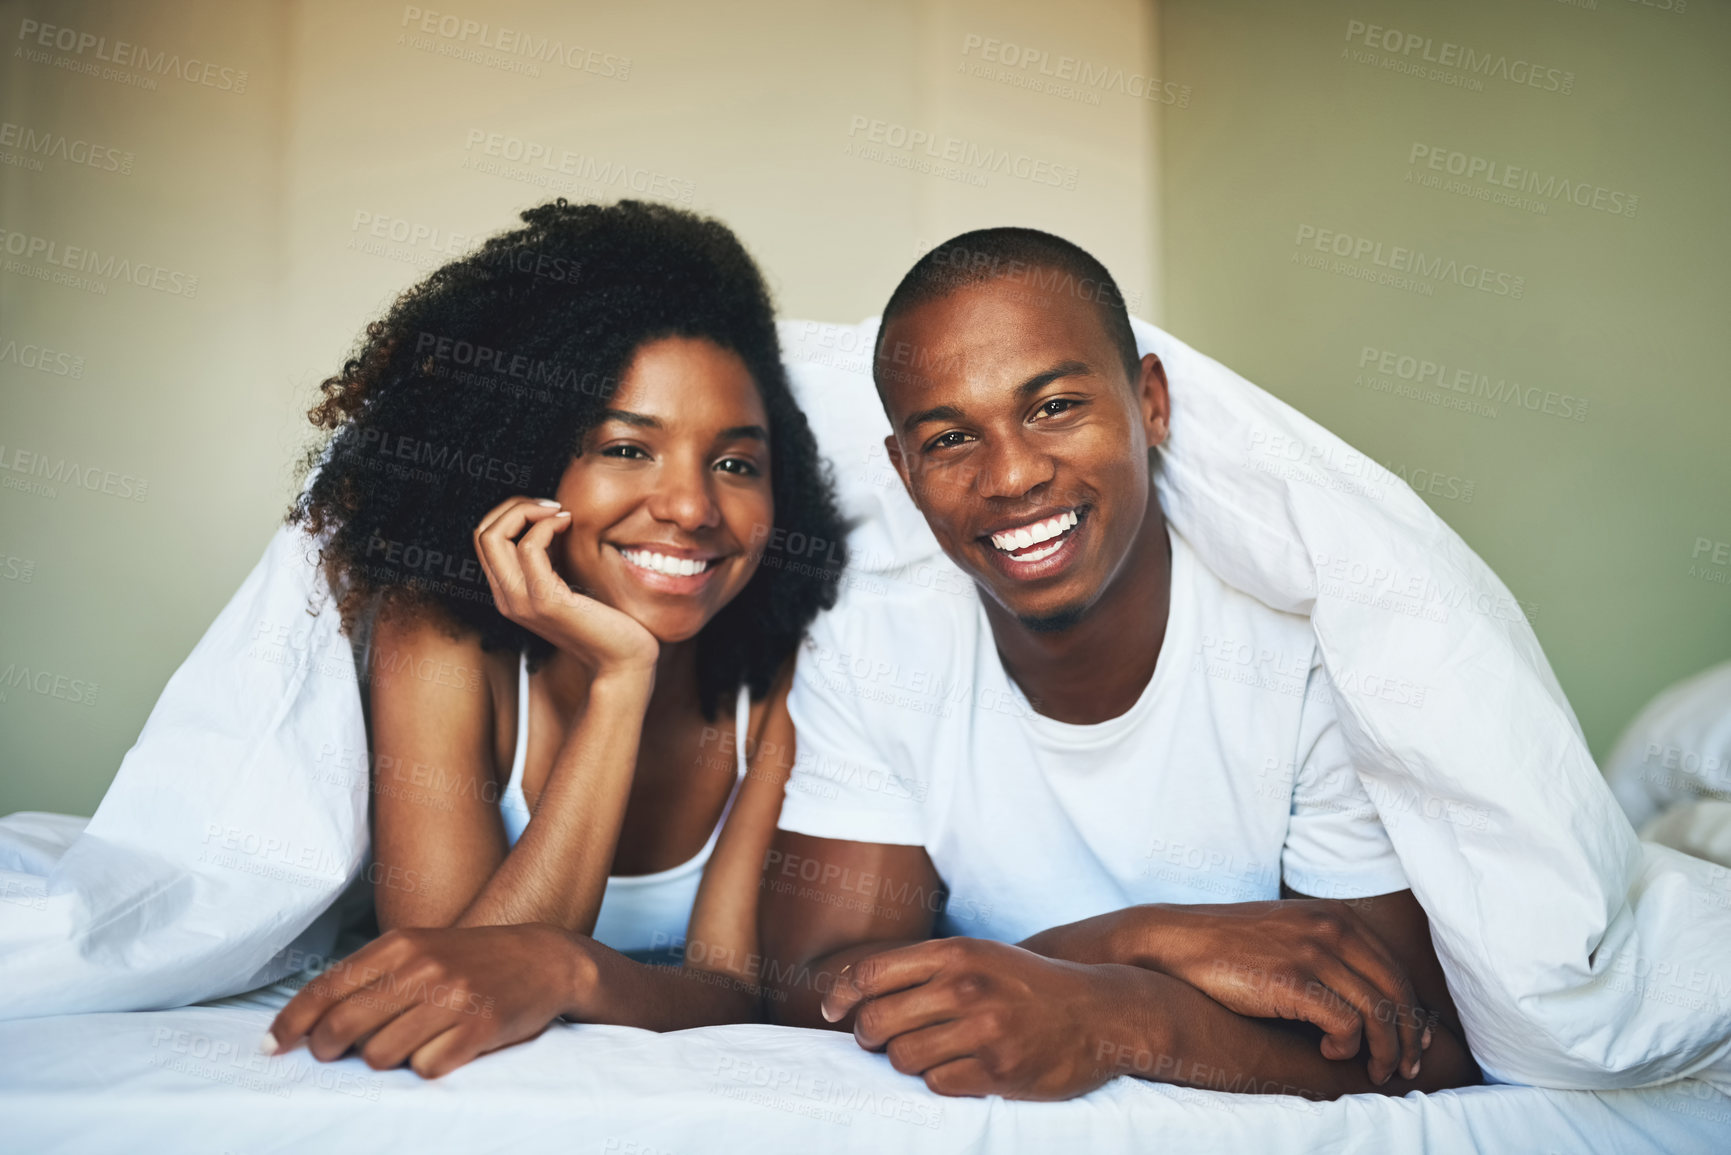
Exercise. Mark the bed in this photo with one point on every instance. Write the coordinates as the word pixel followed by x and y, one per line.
pixel 191 1080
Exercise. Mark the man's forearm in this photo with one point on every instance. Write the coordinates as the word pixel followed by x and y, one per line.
pixel 1162 1029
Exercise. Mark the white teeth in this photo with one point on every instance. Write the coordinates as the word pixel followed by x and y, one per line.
pixel 1037 554
pixel 1021 538
pixel 665 563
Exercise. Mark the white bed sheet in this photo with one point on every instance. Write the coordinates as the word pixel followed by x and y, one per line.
pixel 191 1080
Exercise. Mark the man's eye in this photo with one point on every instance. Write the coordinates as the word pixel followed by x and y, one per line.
pixel 626 451
pixel 948 440
pixel 737 465
pixel 1057 405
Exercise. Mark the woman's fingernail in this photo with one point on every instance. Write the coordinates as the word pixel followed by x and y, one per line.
pixel 563 513
pixel 550 504
pixel 268 1045
pixel 1424 1043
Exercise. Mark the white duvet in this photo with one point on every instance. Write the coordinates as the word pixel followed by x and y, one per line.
pixel 1579 956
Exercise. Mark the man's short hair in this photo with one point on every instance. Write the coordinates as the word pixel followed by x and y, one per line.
pixel 1045 263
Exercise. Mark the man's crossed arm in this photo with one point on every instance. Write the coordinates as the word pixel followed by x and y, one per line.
pixel 1232 997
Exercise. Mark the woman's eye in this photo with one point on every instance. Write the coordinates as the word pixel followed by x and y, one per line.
pixel 626 451
pixel 737 465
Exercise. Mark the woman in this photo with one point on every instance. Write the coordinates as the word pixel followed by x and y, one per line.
pixel 556 469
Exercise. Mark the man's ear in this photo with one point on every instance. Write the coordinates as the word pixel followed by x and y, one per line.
pixel 893 450
pixel 1153 400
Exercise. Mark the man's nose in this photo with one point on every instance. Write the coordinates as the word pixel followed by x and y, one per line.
pixel 1012 468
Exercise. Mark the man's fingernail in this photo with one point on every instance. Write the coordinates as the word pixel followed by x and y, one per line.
pixel 827 1017
pixel 1424 1043
pixel 268 1045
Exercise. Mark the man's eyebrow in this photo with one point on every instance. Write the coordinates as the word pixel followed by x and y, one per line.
pixel 1026 389
pixel 936 413
pixel 1040 380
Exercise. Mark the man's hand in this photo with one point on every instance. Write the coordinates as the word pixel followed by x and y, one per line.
pixel 436 998
pixel 973 1017
pixel 1312 960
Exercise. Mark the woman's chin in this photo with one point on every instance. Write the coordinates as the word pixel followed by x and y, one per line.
pixel 669 629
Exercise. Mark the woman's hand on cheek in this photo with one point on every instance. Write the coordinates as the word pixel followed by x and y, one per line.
pixel 437 998
pixel 512 542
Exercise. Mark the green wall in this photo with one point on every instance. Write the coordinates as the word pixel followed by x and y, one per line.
pixel 1578 431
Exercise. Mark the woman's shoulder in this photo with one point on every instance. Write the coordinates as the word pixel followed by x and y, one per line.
pixel 423 652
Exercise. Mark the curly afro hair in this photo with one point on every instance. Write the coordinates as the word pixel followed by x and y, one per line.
pixel 481 382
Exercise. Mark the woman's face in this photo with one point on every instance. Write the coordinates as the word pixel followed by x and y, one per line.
pixel 670 498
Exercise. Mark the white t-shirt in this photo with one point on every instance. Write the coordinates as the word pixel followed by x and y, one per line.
pixel 1227 775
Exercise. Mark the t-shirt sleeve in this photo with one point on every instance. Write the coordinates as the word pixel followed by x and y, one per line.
pixel 1336 845
pixel 843 785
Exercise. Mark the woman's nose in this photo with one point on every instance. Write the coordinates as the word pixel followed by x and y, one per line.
pixel 683 496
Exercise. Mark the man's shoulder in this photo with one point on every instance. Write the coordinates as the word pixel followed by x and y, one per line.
pixel 1215 601
pixel 1235 638
pixel 926 611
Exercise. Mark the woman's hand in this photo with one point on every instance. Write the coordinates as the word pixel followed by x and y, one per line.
pixel 436 999
pixel 529 592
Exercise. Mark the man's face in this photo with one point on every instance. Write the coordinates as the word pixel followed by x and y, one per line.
pixel 1018 437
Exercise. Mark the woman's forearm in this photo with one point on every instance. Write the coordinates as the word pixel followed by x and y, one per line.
pixel 625 993
pixel 1119 936
pixel 558 870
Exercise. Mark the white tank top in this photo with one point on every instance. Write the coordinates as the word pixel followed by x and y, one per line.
pixel 639 912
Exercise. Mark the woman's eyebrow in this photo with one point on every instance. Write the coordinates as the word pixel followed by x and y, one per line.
pixel 641 420
pixel 644 421
pixel 736 431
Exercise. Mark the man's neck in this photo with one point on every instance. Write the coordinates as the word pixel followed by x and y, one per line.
pixel 1096 669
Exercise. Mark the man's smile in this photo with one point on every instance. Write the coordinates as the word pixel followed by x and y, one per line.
pixel 1037 547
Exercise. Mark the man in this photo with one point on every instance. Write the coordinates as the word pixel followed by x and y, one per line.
pixel 1084 760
